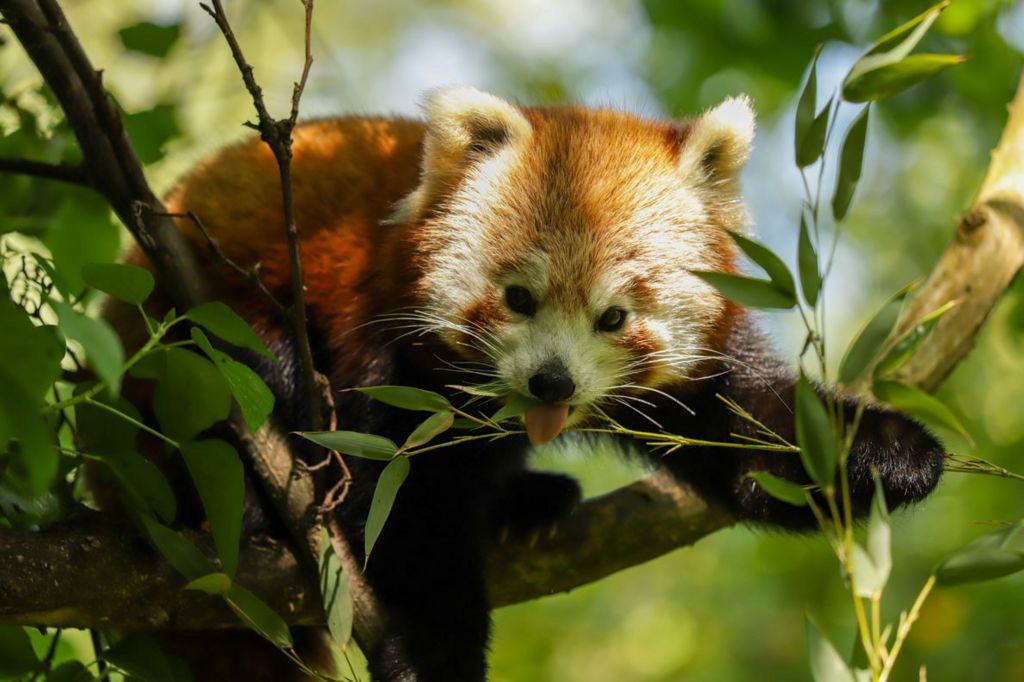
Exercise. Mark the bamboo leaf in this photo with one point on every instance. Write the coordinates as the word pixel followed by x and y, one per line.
pixel 430 428
pixel 212 583
pixel 334 590
pixel 851 162
pixel 992 555
pixel 818 449
pixel 826 663
pixel 777 271
pixel 388 485
pixel 407 398
pixel 813 144
pixel 516 406
pixel 806 106
pixel 255 613
pixel 885 81
pixel 16 654
pixel 908 344
pixel 780 488
pixel 865 346
pixel 753 293
pixel 807 262
pixel 178 551
pixel 354 443
pixel 917 403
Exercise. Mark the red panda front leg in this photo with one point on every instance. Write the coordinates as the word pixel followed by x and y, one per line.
pixel 907 457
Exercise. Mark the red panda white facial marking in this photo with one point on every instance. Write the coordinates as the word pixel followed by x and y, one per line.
pixel 558 245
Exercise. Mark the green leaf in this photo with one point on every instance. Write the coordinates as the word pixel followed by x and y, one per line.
pixel 82 232
pixel 879 537
pixel 334 590
pixel 906 36
pixel 178 551
pixel 870 579
pixel 516 406
pixel 887 80
pixel 101 344
pixel 221 321
pixel 29 439
pixel 38 351
pixel 390 481
pixel 481 390
pixel 145 484
pixel 807 262
pixel 777 271
pixel 252 394
pixel 192 394
pixel 851 161
pixel 122 281
pixel 213 583
pixel 892 47
pixel 156 40
pixel 908 344
pixel 407 398
pixel 818 449
pixel 919 404
pixel 872 337
pixel 258 616
pixel 826 663
pixel 978 565
pixel 780 488
pixel 806 106
pixel 753 293
pixel 430 428
pixel 219 477
pixel 354 443
pixel 813 145
pixel 142 658
pixel 151 130
pixel 16 654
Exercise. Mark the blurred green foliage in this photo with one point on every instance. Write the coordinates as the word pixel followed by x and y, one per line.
pixel 733 607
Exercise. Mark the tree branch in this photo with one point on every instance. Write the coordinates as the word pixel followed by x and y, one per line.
pixel 62 172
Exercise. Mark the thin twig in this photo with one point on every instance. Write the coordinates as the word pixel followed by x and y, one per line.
pixel 251 274
pixel 74 174
pixel 277 134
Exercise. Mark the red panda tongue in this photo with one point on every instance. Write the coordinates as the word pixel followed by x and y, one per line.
pixel 544 422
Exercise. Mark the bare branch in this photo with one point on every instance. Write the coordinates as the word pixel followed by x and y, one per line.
pixel 251 274
pixel 62 172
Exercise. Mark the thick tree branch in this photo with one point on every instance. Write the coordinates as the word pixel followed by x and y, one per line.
pixel 88 573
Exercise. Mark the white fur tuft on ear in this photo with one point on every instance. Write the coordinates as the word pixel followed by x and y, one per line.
pixel 463 124
pixel 720 140
pixel 460 116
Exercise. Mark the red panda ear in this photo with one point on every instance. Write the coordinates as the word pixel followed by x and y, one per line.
pixel 719 141
pixel 463 124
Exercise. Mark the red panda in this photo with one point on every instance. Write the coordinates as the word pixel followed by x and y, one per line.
pixel 546 251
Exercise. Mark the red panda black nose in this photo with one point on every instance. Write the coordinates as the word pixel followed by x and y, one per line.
pixel 552 383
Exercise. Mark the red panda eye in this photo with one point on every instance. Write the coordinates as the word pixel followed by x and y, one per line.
pixel 611 320
pixel 520 300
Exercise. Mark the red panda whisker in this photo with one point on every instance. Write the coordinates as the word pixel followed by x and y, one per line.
pixel 617 400
pixel 658 391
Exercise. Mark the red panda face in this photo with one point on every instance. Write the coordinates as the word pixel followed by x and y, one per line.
pixel 557 245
